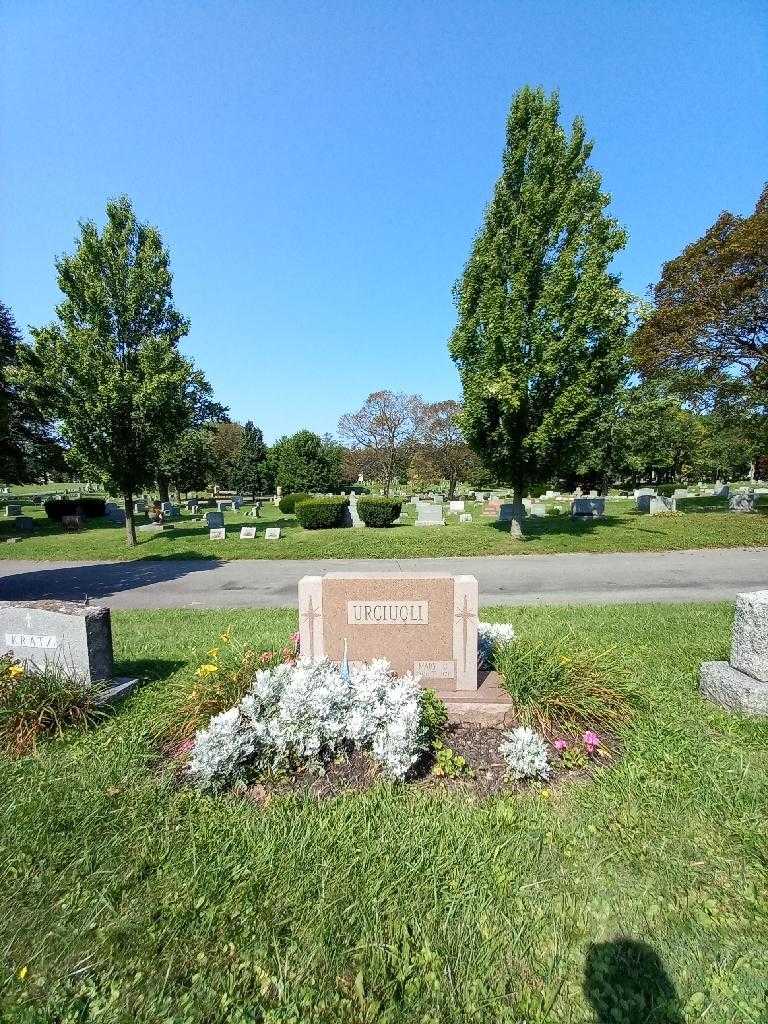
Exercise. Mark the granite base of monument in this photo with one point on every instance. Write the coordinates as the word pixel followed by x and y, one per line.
pixel 741 684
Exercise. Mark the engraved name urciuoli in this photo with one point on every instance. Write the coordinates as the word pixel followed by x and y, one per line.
pixel 388 613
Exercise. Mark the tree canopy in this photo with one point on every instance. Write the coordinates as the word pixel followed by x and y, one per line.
pixel 117 381
pixel 541 328
pixel 707 329
pixel 306 462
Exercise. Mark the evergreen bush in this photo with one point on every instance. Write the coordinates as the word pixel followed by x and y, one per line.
pixel 322 513
pixel 288 502
pixel 379 511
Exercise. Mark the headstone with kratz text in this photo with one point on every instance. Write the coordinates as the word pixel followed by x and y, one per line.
pixel 75 638
pixel 273 533
pixel 247 533
pixel 425 623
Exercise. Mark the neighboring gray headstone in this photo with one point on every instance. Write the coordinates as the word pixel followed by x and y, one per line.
pixel 140 506
pixel 538 509
pixel 25 523
pixel 215 520
pixel 661 505
pixel 749 648
pixel 272 533
pixel 224 506
pixel 587 508
pixel 74 638
pixel 742 684
pixel 12 509
pixel 429 515
pixel 721 490
pixel 643 502
pixel 742 501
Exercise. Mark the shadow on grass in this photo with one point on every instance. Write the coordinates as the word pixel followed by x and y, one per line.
pixel 101 580
pixel 625 981
pixel 148 670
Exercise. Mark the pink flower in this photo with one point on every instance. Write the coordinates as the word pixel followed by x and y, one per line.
pixel 266 657
pixel 295 641
pixel 591 740
pixel 560 746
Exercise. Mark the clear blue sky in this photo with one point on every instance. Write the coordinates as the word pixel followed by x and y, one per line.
pixel 318 170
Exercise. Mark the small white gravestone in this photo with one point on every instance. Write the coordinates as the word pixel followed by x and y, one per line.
pixel 465 517
pixel 273 533
pixel 217 533
pixel 456 506
pixel 247 533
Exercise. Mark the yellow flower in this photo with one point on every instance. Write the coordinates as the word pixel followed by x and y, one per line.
pixel 225 636
pixel 15 671
pixel 23 972
pixel 545 794
pixel 207 670
pixel 214 652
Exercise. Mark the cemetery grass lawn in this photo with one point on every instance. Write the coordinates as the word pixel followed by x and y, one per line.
pixel 128 899
pixel 706 524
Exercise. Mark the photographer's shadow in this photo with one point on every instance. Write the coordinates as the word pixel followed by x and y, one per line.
pixel 626 983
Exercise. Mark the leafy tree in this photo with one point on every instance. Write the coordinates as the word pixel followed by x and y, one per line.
pixel 116 379
pixel 252 472
pixel 443 452
pixel 306 462
pixel 541 320
pixel 707 330
pixel 29 449
pixel 184 457
pixel 384 429
pixel 188 464
pixel 225 444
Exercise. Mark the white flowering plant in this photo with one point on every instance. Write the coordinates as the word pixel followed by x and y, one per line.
pixel 491 636
pixel 310 712
pixel 526 755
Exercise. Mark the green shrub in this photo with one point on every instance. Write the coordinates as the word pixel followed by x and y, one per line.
pixel 666 489
pixel 36 705
pixel 554 686
pixel 322 513
pixel 288 502
pixel 376 511
pixel 434 714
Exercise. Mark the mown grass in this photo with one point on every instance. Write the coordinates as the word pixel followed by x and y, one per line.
pixel 125 898
pixel 706 524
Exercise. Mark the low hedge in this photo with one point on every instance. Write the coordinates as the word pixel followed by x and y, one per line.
pixel 288 502
pixel 91 508
pixel 322 513
pixel 377 511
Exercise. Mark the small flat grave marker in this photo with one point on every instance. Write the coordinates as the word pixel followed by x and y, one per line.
pixel 273 533
pixel 217 533
pixel 247 533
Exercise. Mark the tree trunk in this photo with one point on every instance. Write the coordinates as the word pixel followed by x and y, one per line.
pixel 163 484
pixel 130 525
pixel 518 510
pixel 451 489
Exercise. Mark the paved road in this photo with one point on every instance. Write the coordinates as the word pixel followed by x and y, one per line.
pixel 525 579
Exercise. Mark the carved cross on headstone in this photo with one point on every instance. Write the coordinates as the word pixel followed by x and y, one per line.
pixel 465 616
pixel 309 617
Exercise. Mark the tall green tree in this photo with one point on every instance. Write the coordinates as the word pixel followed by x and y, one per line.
pixel 252 472
pixel 118 383
pixel 307 462
pixel 541 320
pixel 29 448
